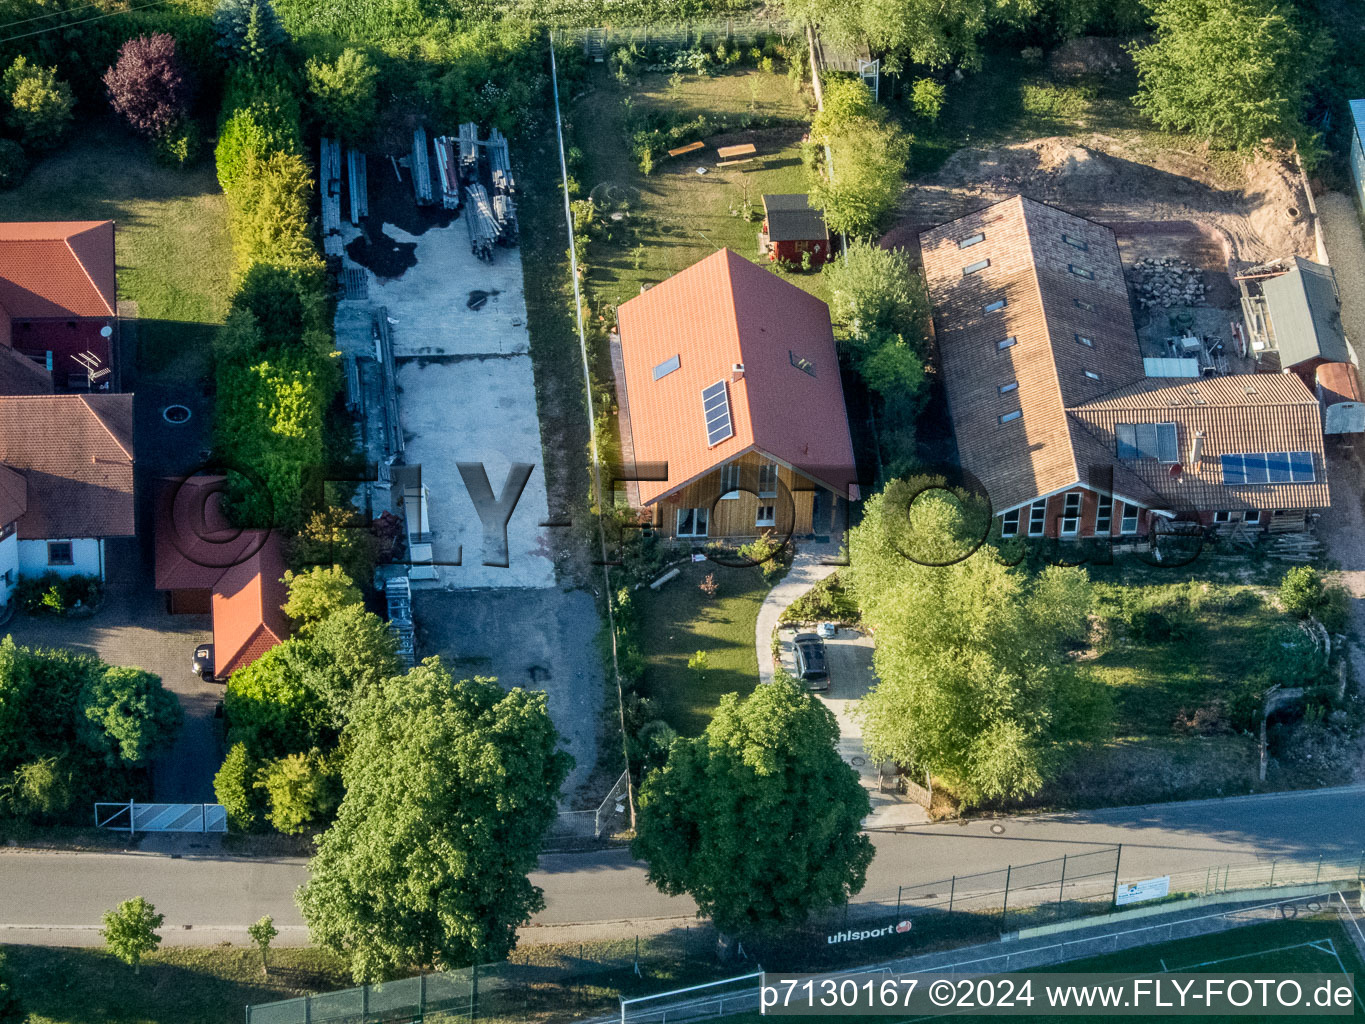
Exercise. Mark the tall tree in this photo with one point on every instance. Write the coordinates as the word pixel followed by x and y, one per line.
pixel 1235 72
pixel 976 684
pixel 248 30
pixel 758 818
pixel 345 94
pixel 129 715
pixel 149 86
pixel 318 594
pixel 860 181
pixel 39 102
pixel 449 788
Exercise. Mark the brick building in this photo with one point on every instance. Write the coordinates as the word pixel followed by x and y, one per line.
pixel 1053 412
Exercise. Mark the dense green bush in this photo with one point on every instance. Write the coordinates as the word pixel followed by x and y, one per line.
pixel 234 788
pixel 13 163
pixel 1304 592
pixel 344 95
pixel 301 789
pixel 38 103
pixel 73 728
pixel 54 594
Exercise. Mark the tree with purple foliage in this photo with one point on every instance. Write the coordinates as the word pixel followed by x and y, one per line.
pixel 149 86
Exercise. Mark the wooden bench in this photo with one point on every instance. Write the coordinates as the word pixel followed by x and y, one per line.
pixel 691 147
pixel 730 152
pixel 736 163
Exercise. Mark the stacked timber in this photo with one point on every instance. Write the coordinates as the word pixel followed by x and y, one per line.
pixel 469 148
pixel 421 168
pixel 448 171
pixel 500 162
pixel 482 224
pixel 360 189
pixel 329 175
pixel 505 212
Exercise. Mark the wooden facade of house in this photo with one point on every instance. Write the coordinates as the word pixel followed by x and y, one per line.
pixel 740 500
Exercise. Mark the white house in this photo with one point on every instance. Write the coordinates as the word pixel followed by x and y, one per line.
pixel 66 482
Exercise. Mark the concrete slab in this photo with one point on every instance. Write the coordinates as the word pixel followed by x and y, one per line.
pixel 432 301
pixel 477 410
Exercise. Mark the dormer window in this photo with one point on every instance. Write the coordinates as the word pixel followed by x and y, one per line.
pixel 1089 307
pixel 991 307
pixel 1081 339
pixel 1005 389
pixel 1078 243
pixel 667 367
pixel 972 240
pixel 1005 343
pixel 974 268
pixel 1091 374
pixel 1010 417
pixel 1089 275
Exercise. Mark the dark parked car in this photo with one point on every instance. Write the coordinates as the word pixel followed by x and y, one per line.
pixel 202 666
pixel 811 667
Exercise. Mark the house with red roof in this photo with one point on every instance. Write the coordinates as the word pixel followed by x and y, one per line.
pixel 732 412
pixel 208 566
pixel 58 299
pixel 66 482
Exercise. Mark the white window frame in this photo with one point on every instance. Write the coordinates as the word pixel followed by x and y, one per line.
pixel 1037 518
pixel 1104 515
pixel 767 515
pixel 1222 516
pixel 1071 514
pixel 767 474
pixel 700 516
pixel 1009 523
pixel 1252 516
pixel 1124 529
pixel 730 475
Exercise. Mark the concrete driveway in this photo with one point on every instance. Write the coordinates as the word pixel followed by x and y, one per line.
pixel 851 676
pixel 538 639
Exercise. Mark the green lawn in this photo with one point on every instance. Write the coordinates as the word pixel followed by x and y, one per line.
pixel 678 620
pixel 177 985
pixel 675 216
pixel 1153 681
pixel 174 257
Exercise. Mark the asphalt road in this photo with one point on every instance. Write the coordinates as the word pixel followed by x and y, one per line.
pixel 57 898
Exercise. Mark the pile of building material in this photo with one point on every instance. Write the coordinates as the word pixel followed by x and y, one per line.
pixel 421 168
pixel 481 222
pixel 329 175
pixel 469 148
pixel 398 592
pixel 448 171
pixel 1167 282
pixel 500 162
pixel 360 186
pixel 383 355
pixel 506 213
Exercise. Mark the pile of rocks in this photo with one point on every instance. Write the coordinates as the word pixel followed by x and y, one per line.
pixel 1166 283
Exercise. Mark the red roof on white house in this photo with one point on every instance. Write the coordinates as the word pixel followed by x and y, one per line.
pixel 687 335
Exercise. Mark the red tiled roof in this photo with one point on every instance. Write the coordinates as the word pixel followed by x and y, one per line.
pixel 13 495
pixel 76 455
pixel 57 269
pixel 196 549
pixel 718 312
pixel 248 618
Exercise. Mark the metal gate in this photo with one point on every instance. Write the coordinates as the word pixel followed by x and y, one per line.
pixel 134 817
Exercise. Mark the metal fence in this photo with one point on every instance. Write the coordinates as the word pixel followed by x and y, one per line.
pixel 608 817
pixel 134 817
pixel 744 31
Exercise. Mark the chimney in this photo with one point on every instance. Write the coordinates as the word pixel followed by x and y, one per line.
pixel 736 372
pixel 1196 450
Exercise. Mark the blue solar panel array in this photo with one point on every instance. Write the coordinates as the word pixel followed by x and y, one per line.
pixel 715 402
pixel 1268 468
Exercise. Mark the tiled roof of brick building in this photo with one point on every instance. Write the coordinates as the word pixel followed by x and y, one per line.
pixel 685 335
pixel 76 455
pixel 55 270
pixel 1040 361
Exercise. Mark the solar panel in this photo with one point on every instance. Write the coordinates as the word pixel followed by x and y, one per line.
pixel 715 403
pixel 1268 468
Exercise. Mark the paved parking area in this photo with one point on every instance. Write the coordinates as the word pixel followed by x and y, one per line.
pixel 539 639
pixel 851 675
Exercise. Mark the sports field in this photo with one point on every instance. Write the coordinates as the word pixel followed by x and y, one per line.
pixel 1312 945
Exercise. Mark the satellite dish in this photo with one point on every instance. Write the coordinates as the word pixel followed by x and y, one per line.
pixel 106 331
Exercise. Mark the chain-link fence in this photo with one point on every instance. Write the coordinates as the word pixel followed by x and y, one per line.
pixel 730 31
pixel 610 816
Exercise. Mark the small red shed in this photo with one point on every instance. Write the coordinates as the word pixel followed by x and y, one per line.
pixel 791 226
